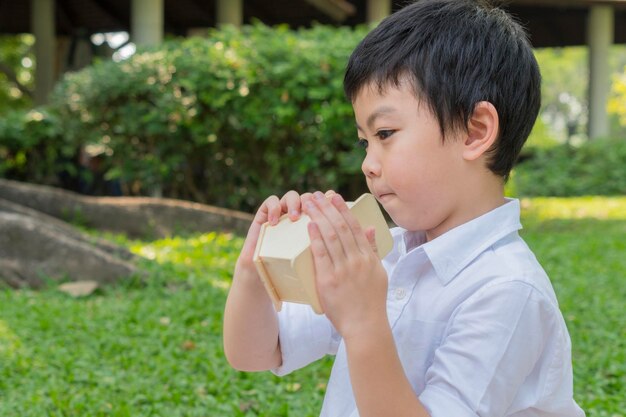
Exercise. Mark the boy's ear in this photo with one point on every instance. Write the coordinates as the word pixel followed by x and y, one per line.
pixel 482 130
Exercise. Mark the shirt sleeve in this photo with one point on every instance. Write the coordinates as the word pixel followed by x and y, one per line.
pixel 304 337
pixel 495 341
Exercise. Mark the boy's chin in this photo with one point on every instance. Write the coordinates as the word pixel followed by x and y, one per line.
pixel 409 224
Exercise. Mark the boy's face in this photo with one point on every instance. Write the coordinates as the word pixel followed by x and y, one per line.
pixel 414 175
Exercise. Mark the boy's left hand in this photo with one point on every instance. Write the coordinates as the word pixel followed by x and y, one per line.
pixel 351 281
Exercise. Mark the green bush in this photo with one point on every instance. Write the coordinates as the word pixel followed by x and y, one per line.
pixel 226 120
pixel 235 117
pixel 595 168
pixel 17 58
pixel 32 148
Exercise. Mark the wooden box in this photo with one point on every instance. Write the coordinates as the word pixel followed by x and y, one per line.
pixel 283 255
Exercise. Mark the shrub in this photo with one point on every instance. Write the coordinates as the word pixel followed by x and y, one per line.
pixel 226 120
pixel 233 118
pixel 595 168
pixel 17 57
pixel 32 148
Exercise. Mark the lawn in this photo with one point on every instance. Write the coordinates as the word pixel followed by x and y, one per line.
pixel 155 349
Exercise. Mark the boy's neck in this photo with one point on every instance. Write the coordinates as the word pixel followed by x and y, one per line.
pixel 473 201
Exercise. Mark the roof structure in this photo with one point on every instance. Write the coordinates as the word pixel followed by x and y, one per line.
pixel 563 22
pixel 549 22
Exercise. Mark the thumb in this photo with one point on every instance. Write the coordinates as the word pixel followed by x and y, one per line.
pixel 249 245
pixel 370 234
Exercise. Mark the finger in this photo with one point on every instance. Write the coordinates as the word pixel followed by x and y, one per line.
pixel 321 256
pixel 290 203
pixel 270 211
pixel 339 226
pixel 249 245
pixel 356 230
pixel 370 234
pixel 270 207
pixel 322 262
pixel 262 214
pixel 304 198
pixel 328 234
pixel 309 196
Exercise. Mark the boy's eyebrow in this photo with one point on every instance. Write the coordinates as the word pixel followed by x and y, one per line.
pixel 382 110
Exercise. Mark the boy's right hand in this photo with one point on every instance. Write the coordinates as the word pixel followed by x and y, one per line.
pixel 270 211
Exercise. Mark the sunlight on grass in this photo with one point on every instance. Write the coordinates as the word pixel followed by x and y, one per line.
pixel 10 344
pixel 548 208
pixel 210 255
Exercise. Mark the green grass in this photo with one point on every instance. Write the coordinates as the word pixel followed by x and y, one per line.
pixel 581 242
pixel 155 349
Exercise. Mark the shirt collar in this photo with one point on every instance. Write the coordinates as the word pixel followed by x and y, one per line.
pixel 451 252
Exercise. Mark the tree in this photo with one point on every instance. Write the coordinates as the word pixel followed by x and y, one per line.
pixel 17 64
pixel 563 95
pixel 617 102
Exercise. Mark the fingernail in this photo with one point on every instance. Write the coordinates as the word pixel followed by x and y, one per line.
pixel 318 195
pixel 295 213
pixel 309 205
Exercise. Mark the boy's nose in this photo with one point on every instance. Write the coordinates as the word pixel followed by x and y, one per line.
pixel 371 166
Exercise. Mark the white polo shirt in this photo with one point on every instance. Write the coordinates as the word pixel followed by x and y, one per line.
pixel 475 320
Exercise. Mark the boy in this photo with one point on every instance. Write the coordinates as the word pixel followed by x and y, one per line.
pixel 459 319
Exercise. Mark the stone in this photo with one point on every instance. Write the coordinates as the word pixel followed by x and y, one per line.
pixel 137 217
pixel 33 253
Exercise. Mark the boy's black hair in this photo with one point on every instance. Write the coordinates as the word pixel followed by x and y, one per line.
pixel 456 53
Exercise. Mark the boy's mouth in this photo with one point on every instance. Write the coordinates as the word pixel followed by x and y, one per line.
pixel 382 197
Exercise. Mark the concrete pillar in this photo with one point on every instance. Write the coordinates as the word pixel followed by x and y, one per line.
pixel 43 27
pixel 146 19
pixel 229 12
pixel 377 10
pixel 600 33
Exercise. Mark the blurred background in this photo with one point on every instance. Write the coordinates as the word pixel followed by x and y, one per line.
pixel 189 87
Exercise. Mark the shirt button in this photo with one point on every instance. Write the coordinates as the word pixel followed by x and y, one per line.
pixel 400 293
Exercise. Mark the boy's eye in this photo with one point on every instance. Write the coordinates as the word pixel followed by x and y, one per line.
pixel 362 143
pixel 384 134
